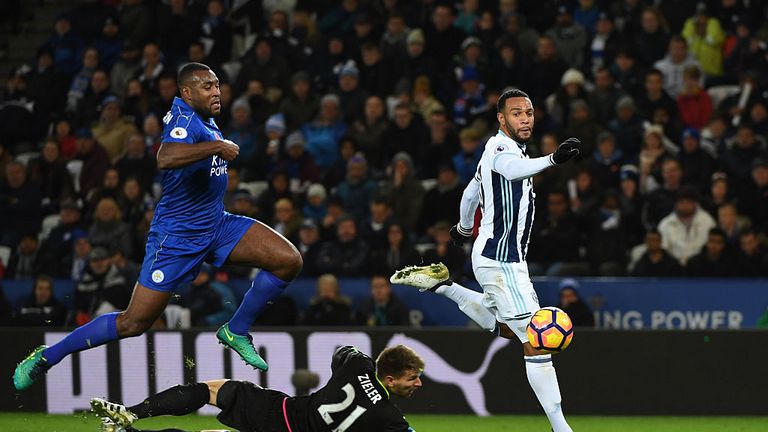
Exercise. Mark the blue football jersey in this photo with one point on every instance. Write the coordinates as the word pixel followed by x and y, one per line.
pixel 192 199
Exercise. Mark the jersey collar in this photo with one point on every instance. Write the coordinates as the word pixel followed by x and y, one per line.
pixel 521 146
pixel 179 102
pixel 381 384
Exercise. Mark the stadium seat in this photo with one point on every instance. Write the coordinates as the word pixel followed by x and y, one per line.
pixel 26 157
pixel 49 223
pixel 255 188
pixel 5 255
pixel 75 167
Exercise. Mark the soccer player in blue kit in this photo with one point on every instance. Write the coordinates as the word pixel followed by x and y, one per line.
pixel 190 227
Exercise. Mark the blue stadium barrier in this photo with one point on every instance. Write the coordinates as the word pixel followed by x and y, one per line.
pixel 620 303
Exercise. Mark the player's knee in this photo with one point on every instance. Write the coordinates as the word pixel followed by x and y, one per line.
pixel 292 264
pixel 131 327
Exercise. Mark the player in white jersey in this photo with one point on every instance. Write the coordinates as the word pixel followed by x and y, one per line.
pixel 503 189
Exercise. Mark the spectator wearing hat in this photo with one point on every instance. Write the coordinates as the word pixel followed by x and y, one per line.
pixel 301 104
pixel 694 102
pixel 606 161
pixel 705 38
pixel 109 43
pixel 397 254
pixel 316 205
pixel 627 126
pixel 328 307
pixel 571 89
pixel 347 254
pixel 654 96
pixel 351 96
pixel 466 160
pixel 473 55
pixel 631 202
pixel 442 200
pixel 652 38
pixel 19 204
pixel 357 190
pixel 549 68
pixel 56 250
pixel 309 245
pixel 243 131
pixel 698 165
pixel 100 289
pixel 405 133
pixel 368 132
pixel 445 251
pixel 685 231
pixel 404 191
pixel 569 37
pixel 661 201
pixel 470 100
pixel 323 134
pixel 41 309
pixel 112 130
pixel 125 68
pixel 715 259
pixel 753 200
pixel 656 261
pixel 417 62
pixel 297 163
pixel 652 155
pixel 65 46
pixel 49 170
pixel 287 219
pixel 571 302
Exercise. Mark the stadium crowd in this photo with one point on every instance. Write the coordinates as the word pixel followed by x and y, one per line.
pixel 359 123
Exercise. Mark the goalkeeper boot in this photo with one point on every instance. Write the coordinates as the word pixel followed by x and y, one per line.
pixel 107 425
pixel 30 369
pixel 119 414
pixel 425 278
pixel 243 345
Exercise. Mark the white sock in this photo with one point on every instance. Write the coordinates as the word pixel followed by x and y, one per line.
pixel 543 381
pixel 470 302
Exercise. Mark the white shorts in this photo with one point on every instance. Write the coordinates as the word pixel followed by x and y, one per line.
pixel 507 292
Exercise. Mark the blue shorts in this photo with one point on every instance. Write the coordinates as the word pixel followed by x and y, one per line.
pixel 172 260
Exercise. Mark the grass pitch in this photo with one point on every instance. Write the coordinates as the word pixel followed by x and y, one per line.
pixel 33 422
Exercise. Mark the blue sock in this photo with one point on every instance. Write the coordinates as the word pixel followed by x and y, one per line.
pixel 97 332
pixel 265 288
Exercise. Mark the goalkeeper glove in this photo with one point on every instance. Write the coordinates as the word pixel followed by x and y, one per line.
pixel 566 151
pixel 459 235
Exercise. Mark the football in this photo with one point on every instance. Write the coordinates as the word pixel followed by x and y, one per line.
pixel 550 330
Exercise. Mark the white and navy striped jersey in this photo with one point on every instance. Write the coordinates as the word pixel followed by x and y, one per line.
pixel 503 187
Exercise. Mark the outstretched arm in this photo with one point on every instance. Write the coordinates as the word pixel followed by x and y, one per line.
pixel 514 168
pixel 177 154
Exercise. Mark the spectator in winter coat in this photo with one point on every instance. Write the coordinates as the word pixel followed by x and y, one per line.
pixel 41 309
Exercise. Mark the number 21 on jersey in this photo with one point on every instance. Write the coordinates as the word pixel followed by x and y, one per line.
pixel 326 410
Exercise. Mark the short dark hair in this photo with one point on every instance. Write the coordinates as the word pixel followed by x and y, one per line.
pixel 186 71
pixel 511 93
pixel 718 232
pixel 397 360
pixel 654 71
